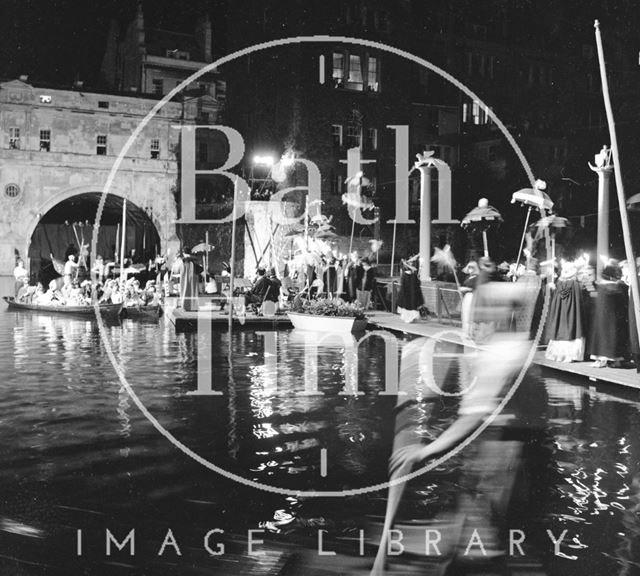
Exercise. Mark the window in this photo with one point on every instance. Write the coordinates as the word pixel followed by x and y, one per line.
pixel 337 183
pixel 338 70
pixel 177 54
pixel 103 104
pixel 45 140
pixel 475 113
pixel 158 87
pixel 355 71
pixel 14 138
pixel 372 138
pixel 155 148
pixel 354 78
pixel 101 144
pixel 557 154
pixel 354 136
pixel 373 75
pixel 12 191
pixel 203 152
pixel 336 135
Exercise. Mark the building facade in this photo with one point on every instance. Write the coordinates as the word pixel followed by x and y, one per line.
pixel 58 146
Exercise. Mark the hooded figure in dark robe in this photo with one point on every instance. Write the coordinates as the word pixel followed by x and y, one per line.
pixel 189 272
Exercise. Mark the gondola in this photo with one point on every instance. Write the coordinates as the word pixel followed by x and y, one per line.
pixel 148 312
pixel 111 310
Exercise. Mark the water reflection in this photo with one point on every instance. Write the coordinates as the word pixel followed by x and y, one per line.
pixel 77 452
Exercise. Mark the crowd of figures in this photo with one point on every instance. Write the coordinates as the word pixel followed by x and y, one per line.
pixel 587 318
pixel 592 319
pixel 78 285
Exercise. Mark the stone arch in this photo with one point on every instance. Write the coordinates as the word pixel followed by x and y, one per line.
pixel 163 214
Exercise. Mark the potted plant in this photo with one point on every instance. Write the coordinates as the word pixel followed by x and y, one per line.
pixel 327 315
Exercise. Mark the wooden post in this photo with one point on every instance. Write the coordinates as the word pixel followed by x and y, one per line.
pixel 626 233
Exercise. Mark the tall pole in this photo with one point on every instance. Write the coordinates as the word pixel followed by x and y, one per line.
pixel 603 168
pixel 232 264
pixel 425 223
pixel 626 233
pixel 524 233
pixel 206 241
pixel 123 237
pixel 393 246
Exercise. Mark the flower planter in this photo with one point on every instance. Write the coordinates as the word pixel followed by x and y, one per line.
pixel 335 324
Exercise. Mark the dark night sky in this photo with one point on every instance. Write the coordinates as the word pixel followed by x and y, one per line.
pixel 58 41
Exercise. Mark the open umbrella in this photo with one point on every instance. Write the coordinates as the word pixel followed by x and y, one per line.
pixel 204 248
pixel 482 216
pixel 633 203
pixel 553 222
pixel 533 198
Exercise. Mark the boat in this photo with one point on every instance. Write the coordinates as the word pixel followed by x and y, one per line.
pixel 318 323
pixel 81 310
pixel 149 312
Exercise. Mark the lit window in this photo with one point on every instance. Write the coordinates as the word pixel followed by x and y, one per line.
pixel 373 74
pixel 354 136
pixel 338 69
pixel 101 145
pixel 372 138
pixel 45 140
pixel 336 134
pixel 354 79
pixel 14 138
pixel 158 87
pixel 155 148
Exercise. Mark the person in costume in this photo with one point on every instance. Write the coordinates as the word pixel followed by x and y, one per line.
pixel 468 286
pixel 566 322
pixel 610 330
pixel 189 274
pixel 634 342
pixel 410 297
pixel 20 274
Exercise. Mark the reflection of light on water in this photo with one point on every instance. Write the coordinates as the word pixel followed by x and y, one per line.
pixel 264 430
pixel 123 416
pixel 262 391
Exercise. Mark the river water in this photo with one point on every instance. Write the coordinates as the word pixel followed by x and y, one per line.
pixel 79 454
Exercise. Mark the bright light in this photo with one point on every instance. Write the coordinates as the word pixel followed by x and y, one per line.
pixel 287 160
pixel 263 160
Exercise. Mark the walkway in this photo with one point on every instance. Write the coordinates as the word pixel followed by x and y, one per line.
pixel 621 376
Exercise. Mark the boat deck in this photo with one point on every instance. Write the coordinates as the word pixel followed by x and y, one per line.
pixel 187 321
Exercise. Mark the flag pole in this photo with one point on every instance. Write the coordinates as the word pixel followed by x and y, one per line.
pixel 622 203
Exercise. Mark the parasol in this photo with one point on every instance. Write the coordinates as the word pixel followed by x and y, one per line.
pixel 553 222
pixel 633 203
pixel 204 248
pixel 533 198
pixel 483 215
